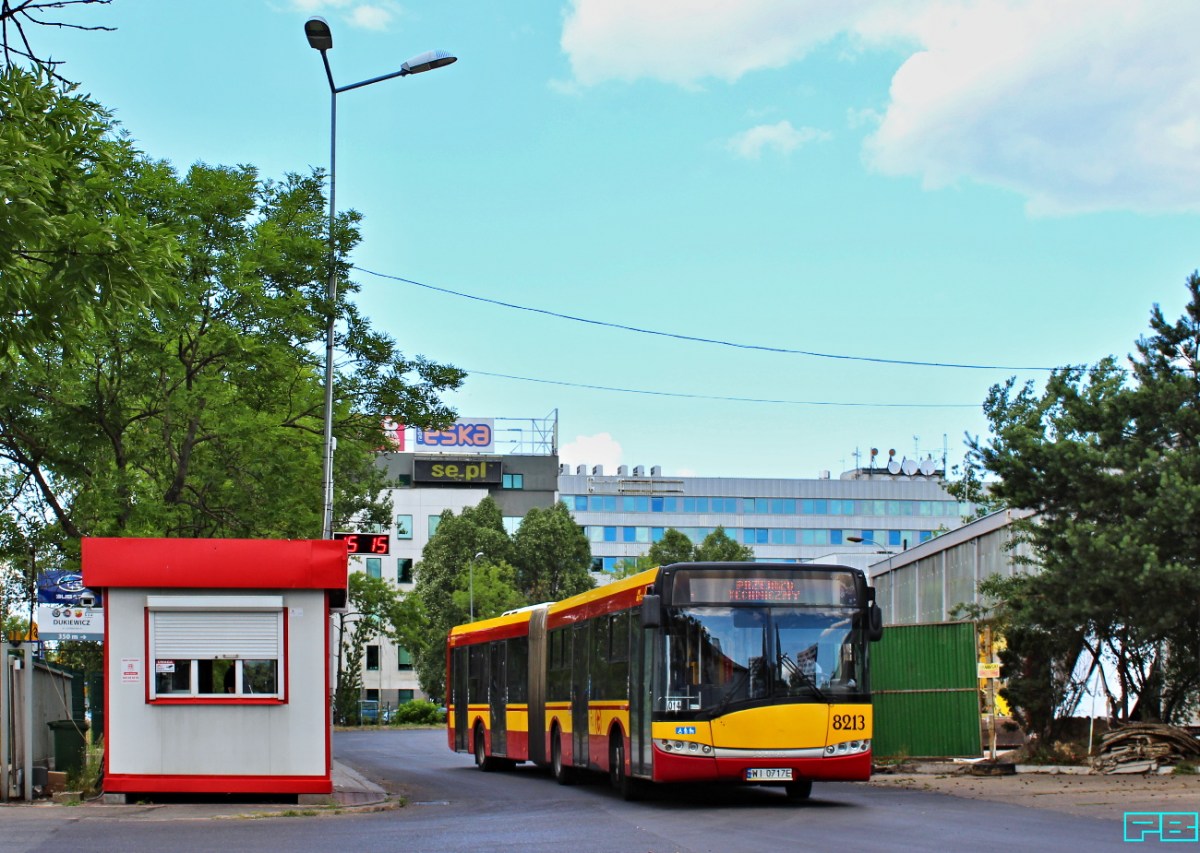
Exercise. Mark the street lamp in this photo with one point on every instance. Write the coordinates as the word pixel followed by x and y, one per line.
pixel 316 30
pixel 867 541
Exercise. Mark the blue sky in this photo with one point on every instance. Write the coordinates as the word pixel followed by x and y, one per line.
pixel 1008 184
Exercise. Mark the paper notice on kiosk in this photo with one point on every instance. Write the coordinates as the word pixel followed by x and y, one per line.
pixel 131 670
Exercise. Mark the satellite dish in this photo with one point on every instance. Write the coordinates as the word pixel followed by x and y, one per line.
pixel 893 466
pixel 928 467
pixel 909 466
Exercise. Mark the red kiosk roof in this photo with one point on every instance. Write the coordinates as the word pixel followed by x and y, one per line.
pixel 216 563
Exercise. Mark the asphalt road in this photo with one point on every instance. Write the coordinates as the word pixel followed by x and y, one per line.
pixel 452 806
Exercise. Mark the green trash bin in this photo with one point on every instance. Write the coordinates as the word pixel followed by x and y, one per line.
pixel 69 743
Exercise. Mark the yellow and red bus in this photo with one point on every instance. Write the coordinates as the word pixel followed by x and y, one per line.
pixel 741 673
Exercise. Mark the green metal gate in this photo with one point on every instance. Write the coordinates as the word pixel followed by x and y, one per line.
pixel 925 691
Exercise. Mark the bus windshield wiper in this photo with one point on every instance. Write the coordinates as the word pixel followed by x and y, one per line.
pixel 809 680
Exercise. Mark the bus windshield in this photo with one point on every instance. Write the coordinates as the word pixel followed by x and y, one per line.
pixel 719 658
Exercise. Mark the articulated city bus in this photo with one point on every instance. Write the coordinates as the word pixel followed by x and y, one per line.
pixel 742 673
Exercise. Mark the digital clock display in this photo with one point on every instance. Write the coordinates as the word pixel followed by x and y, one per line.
pixel 377 544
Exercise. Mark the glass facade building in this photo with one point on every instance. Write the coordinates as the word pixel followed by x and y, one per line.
pixel 782 520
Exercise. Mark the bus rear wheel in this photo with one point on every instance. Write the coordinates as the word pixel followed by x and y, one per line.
pixel 563 774
pixel 798 792
pixel 482 761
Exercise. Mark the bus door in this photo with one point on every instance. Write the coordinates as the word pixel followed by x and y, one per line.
pixel 641 653
pixel 537 686
pixel 498 698
pixel 458 697
pixel 580 690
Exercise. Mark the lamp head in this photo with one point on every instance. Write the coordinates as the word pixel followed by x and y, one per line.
pixel 428 61
pixel 316 30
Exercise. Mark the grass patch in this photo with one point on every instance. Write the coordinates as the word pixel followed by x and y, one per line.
pixel 86 779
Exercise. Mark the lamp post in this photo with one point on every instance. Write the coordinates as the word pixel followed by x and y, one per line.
pixel 882 548
pixel 316 30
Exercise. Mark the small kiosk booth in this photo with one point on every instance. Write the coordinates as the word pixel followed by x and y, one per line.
pixel 216 660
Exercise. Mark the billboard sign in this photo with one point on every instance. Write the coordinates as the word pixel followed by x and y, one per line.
pixel 474 435
pixel 70 622
pixel 453 472
pixel 68 610
pixel 61 586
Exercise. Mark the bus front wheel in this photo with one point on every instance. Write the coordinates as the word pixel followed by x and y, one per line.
pixel 629 788
pixel 798 792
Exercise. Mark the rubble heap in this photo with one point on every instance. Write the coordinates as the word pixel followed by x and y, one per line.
pixel 1144 748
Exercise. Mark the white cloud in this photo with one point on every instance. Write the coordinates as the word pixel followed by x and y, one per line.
pixel 1075 104
pixel 685 41
pixel 366 16
pixel 781 137
pixel 592 450
pixel 371 17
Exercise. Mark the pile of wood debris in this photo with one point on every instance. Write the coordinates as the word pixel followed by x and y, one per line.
pixel 1144 748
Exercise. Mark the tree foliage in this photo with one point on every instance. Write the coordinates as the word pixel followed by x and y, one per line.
pixel 1109 460
pixel 552 555
pixel 719 547
pixel 375 608
pixel 76 250
pixel 674 547
pixel 548 558
pixel 204 417
pixel 162 352
pixel 444 568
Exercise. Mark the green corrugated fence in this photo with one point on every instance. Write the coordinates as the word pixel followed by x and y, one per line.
pixel 926 691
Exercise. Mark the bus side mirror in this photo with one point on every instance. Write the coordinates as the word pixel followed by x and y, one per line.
pixel 874 623
pixel 651 611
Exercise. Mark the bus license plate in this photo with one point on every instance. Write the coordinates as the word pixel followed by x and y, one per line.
pixel 769 774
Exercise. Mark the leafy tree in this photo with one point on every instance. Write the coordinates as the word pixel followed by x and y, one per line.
pixel 718 547
pixel 628 568
pixel 374 610
pixel 969 489
pixel 81 655
pixel 489 589
pixel 674 547
pixel 442 570
pixel 1109 460
pixel 204 416
pixel 552 555
pixel 77 251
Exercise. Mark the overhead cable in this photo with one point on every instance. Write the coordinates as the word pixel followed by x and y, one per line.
pixel 695 338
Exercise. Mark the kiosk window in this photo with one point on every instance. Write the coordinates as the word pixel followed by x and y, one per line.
pixel 207 648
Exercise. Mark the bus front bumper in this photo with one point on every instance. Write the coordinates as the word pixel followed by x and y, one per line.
pixel 760 767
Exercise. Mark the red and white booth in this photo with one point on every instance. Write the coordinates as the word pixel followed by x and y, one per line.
pixel 217 663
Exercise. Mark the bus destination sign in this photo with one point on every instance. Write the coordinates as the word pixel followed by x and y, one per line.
pixel 762 589
pixel 795 586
